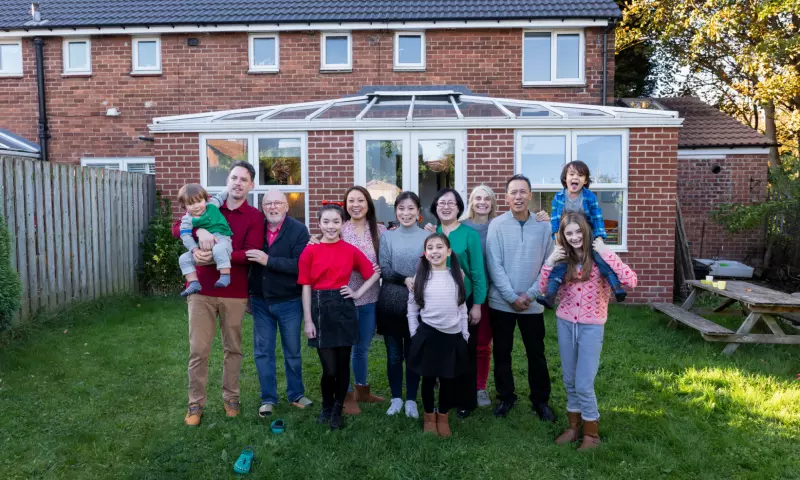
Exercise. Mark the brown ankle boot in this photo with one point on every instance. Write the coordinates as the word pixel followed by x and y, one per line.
pixel 572 432
pixel 443 425
pixel 591 436
pixel 429 424
pixel 364 395
pixel 350 405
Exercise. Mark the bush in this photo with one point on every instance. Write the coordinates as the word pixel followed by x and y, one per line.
pixel 160 273
pixel 10 286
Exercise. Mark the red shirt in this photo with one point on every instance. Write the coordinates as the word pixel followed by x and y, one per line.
pixel 327 266
pixel 247 225
pixel 271 236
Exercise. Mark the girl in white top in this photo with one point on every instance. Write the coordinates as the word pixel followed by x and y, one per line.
pixel 437 320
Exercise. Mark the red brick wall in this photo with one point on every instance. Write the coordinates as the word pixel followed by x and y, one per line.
pixel 177 164
pixel 331 169
pixel 214 76
pixel 490 160
pixel 741 179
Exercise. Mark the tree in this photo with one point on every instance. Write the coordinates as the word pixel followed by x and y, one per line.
pixel 634 67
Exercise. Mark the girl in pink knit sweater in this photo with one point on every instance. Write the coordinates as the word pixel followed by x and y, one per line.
pixel 581 316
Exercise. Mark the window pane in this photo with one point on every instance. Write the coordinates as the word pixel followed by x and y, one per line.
pixel 611 204
pixel 295 113
pixel 568 51
pixel 296 201
pixel 542 201
pixel 543 158
pixel 582 112
pixel 148 56
pixel 436 171
pixel 529 111
pixel 263 51
pixel 242 116
pixel 336 50
pixel 220 155
pixel 603 156
pixel 426 109
pixel 147 168
pixel 388 110
pixel 10 58
pixel 343 110
pixel 384 175
pixel 479 109
pixel 537 57
pixel 410 49
pixel 279 161
pixel 77 56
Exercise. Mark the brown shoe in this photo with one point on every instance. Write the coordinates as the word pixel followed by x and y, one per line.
pixel 443 425
pixel 350 405
pixel 364 395
pixel 429 424
pixel 231 408
pixel 572 432
pixel 193 415
pixel 591 436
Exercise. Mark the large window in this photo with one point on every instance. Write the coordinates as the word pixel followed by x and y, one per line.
pixel 337 51
pixel 10 58
pixel 264 52
pixel 145 165
pixel 77 56
pixel 541 155
pixel 550 58
pixel 280 161
pixel 409 51
pixel 146 55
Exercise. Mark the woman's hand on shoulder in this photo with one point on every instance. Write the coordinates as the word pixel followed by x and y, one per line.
pixel 429 227
pixel 542 216
pixel 314 240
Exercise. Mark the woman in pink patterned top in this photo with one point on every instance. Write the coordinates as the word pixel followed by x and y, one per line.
pixel 581 316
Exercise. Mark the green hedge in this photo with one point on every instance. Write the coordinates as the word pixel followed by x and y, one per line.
pixel 10 286
pixel 160 273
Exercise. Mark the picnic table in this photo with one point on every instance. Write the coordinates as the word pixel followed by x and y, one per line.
pixel 759 303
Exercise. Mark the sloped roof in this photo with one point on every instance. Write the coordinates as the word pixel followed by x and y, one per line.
pixel 705 126
pixel 11 144
pixel 16 14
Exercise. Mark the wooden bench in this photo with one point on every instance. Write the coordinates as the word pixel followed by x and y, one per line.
pixel 705 327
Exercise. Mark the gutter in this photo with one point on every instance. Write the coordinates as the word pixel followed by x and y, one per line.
pixel 44 129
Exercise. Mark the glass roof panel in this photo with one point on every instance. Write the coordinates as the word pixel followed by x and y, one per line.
pixel 529 111
pixel 295 113
pixel 242 116
pixel 424 109
pixel 387 110
pixel 341 111
pixel 480 109
pixel 582 112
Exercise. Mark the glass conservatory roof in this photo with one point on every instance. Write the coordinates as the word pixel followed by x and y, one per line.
pixel 408 109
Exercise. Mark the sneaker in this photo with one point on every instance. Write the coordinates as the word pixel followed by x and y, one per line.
pixel 411 409
pixel 265 410
pixel 544 412
pixel 483 399
pixel 502 409
pixel 395 406
pixel 193 415
pixel 463 413
pixel 302 402
pixel 231 408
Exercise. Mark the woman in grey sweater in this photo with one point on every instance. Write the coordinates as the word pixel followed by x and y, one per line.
pixel 399 253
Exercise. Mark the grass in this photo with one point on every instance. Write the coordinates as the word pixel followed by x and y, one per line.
pixel 100 392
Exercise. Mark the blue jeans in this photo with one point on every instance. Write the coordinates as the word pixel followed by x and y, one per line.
pixel 580 346
pixel 560 270
pixel 267 318
pixel 397 349
pixel 366 330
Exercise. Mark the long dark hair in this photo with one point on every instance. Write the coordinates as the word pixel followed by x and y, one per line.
pixel 372 220
pixel 424 273
pixel 573 260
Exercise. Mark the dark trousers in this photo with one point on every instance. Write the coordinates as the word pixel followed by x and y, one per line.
pixel 335 374
pixel 531 327
pixel 466 386
pixel 445 394
pixel 397 349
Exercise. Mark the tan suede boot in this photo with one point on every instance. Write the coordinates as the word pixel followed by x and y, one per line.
pixel 364 395
pixel 573 429
pixel 350 405
pixel 443 425
pixel 591 436
pixel 429 424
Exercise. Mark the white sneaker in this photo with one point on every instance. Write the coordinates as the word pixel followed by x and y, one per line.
pixel 411 409
pixel 483 399
pixel 395 407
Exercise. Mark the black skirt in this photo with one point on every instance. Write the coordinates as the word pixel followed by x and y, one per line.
pixel 437 354
pixel 335 319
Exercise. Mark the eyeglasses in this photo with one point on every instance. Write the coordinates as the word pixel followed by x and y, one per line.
pixel 446 204
pixel 272 204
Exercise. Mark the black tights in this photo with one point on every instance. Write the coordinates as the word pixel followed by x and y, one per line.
pixel 445 394
pixel 335 373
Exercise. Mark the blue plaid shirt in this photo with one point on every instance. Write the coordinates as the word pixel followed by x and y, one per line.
pixel 590 207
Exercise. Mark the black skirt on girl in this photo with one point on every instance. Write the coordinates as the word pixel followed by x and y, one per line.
pixel 437 354
pixel 335 319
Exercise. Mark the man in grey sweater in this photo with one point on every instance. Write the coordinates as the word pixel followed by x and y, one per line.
pixel 516 247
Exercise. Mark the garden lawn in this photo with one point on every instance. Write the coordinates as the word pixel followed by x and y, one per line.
pixel 100 392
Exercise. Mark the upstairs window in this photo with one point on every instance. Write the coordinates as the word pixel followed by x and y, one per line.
pixel 146 55
pixel 146 165
pixel 10 58
pixel 337 51
pixel 264 56
pixel 553 58
pixel 409 51
pixel 77 56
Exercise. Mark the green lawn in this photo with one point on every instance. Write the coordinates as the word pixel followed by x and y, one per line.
pixel 100 392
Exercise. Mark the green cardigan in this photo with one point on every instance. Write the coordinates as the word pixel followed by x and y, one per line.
pixel 466 245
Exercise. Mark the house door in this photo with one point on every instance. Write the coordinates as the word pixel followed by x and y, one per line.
pixel 423 162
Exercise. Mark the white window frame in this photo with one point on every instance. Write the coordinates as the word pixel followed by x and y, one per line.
pixel 252 53
pixel 409 66
pixel 572 154
pixel 303 136
pixel 16 72
pixel 136 69
pixel 580 80
pixel 336 67
pixel 65 57
pixel 122 162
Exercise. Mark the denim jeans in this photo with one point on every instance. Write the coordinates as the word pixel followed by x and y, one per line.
pixel 366 330
pixel 397 349
pixel 267 318
pixel 560 270
pixel 580 346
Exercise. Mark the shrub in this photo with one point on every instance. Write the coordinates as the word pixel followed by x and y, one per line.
pixel 160 273
pixel 10 286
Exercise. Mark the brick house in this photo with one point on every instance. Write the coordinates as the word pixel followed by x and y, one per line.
pixel 321 95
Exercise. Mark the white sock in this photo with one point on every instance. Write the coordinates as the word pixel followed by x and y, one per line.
pixel 395 407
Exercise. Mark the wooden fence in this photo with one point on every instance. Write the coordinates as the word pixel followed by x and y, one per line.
pixel 75 230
